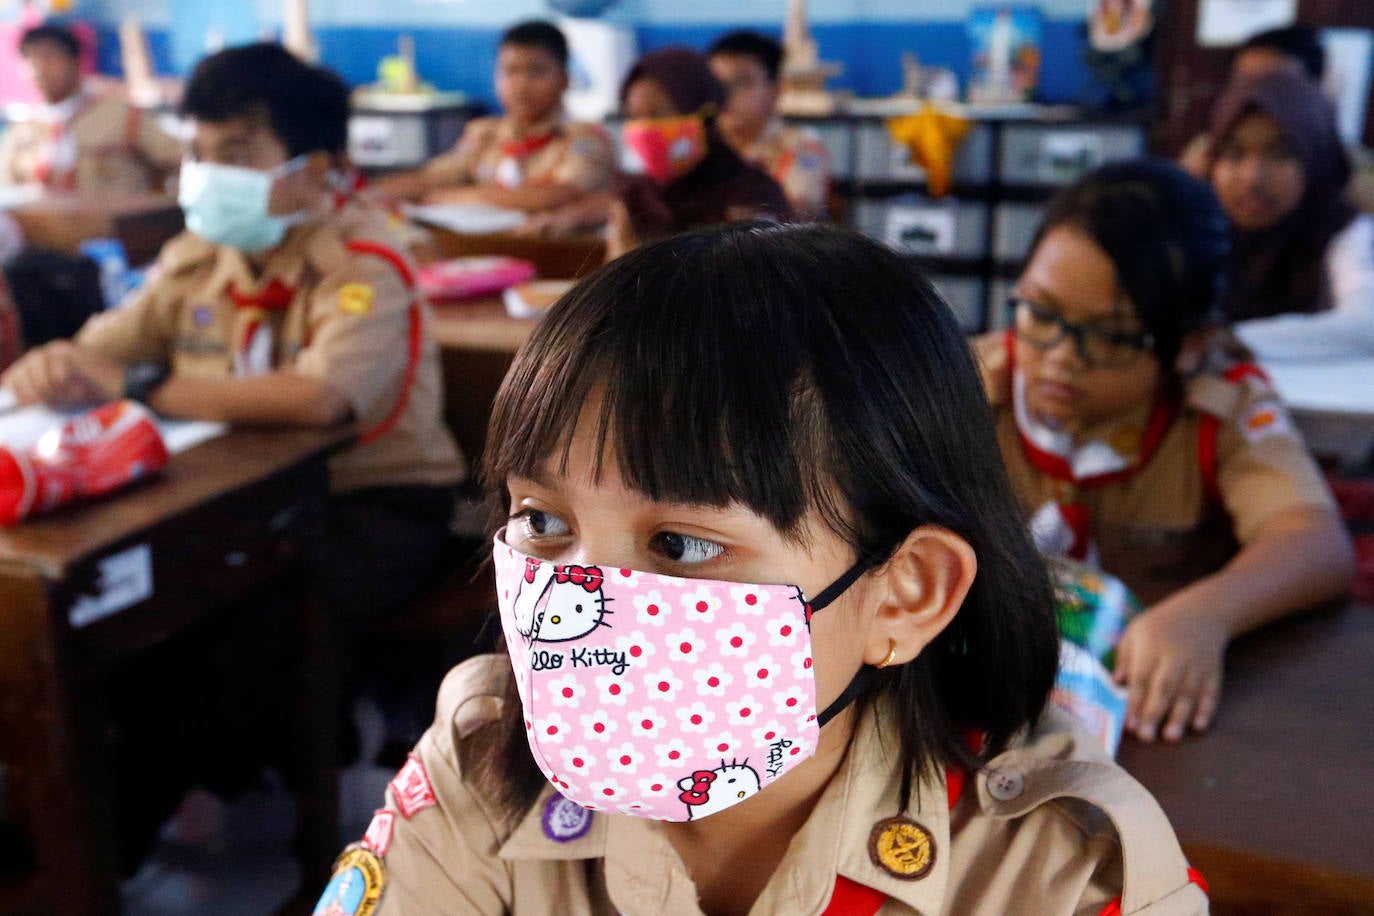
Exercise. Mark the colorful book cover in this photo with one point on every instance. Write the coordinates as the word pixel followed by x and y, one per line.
pixel 1005 44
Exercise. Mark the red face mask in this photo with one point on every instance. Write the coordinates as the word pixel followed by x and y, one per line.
pixel 664 149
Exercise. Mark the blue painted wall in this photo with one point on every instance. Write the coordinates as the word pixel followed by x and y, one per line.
pixel 455 40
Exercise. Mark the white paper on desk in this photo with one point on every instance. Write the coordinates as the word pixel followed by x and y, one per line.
pixel 21 427
pixel 17 195
pixel 468 219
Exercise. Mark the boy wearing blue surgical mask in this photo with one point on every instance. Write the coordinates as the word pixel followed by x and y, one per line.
pixel 284 304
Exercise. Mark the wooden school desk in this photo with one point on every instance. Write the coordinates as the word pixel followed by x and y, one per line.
pixel 555 259
pixel 1275 804
pixel 228 516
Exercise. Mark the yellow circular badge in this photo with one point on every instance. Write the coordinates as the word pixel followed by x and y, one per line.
pixel 357 885
pixel 902 848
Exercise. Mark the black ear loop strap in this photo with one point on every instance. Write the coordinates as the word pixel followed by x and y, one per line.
pixel 864 675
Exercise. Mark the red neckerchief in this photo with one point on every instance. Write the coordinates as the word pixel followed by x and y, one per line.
pixel 850 898
pixel 1162 416
pixel 276 296
pixel 49 177
pixel 527 146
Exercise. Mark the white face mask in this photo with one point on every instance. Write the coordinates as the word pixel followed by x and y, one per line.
pixel 230 205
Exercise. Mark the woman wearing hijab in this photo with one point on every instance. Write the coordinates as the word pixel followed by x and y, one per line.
pixel 681 173
pixel 1301 279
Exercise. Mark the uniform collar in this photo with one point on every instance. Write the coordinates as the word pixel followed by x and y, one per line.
pixel 508 132
pixel 285 264
pixel 644 873
pixel 64 111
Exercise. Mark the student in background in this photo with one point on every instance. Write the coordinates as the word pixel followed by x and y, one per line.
pixel 681 172
pixel 529 158
pixel 278 309
pixel 1136 441
pixel 748 65
pixel 1296 50
pixel 1301 278
pixel 79 140
pixel 758 404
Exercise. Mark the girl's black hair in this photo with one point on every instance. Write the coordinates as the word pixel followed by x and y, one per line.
pixel 787 368
pixel 1167 236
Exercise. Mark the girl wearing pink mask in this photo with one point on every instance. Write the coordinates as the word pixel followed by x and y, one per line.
pixel 678 173
pixel 774 639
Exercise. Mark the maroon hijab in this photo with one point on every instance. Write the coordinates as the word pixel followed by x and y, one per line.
pixel 722 185
pixel 1283 268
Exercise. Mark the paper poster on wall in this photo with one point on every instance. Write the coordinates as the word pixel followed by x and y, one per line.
pixel 923 230
pixel 1067 155
pixel 1224 23
pixel 1348 59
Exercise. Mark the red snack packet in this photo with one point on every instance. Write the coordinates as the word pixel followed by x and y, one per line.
pixel 92 453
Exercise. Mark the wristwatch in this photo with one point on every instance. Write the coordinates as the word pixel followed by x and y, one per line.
pixel 142 379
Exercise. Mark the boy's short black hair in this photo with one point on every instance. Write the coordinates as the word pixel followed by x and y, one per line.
pixel 745 43
pixel 60 36
pixel 305 106
pixel 536 33
pixel 1166 234
pixel 791 370
pixel 1297 41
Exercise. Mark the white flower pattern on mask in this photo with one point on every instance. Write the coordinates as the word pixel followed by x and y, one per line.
pixel 801 663
pixel 599 726
pixel 672 754
pixel 762 671
pixel 662 685
pixel 768 732
pixel 626 577
pixel 637 646
pixel 607 790
pixel 651 609
pixel 736 640
pixel 790 700
pixel 743 711
pixel 613 690
pixel 646 722
pixel 696 717
pixel 683 646
pixel 625 759
pixel 577 759
pixel 552 728
pixel 749 601
pixel 566 692
pixel 700 606
pixel 723 744
pixel 782 631
pixel 712 680
pixel 655 785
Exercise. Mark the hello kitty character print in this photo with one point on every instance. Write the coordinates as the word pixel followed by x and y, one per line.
pixel 707 791
pixel 695 696
pixel 559 603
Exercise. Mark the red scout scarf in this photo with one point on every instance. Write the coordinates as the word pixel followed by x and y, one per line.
pixel 254 353
pixel 510 171
pixel 1063 525
pixel 52 171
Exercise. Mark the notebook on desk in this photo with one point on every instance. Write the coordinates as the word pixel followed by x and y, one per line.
pixel 21 427
pixel 468 219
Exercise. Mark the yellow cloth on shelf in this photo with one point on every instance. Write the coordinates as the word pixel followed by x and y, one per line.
pixel 933 137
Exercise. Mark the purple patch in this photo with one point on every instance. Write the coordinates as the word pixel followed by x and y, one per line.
pixel 202 316
pixel 565 821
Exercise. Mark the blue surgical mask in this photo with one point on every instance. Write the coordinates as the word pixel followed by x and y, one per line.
pixel 228 204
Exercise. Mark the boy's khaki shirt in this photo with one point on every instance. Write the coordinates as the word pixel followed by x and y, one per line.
pixel 119 149
pixel 1051 826
pixel 798 160
pixel 493 151
pixel 1159 529
pixel 333 314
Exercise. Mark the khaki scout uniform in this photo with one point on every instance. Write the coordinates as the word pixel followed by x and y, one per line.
pixel 319 309
pixel 798 160
pixel 493 151
pixel 1051 826
pixel 103 145
pixel 1183 514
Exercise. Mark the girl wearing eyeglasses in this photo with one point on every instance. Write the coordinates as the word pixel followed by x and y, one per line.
pixel 1139 441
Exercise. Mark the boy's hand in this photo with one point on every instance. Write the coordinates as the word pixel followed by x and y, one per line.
pixel 1171 662
pixel 64 375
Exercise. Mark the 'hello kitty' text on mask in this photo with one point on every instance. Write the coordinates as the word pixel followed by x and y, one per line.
pixel 656 696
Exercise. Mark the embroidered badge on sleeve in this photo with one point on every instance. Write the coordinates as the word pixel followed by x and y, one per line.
pixel 356 298
pixel 412 789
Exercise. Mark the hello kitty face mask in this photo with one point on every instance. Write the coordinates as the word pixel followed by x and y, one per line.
pixel 661 697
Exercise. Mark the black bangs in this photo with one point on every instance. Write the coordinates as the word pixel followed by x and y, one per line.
pixel 651 353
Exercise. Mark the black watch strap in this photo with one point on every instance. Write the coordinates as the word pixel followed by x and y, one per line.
pixel 142 379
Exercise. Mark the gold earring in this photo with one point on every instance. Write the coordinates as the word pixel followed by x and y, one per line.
pixel 891 654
